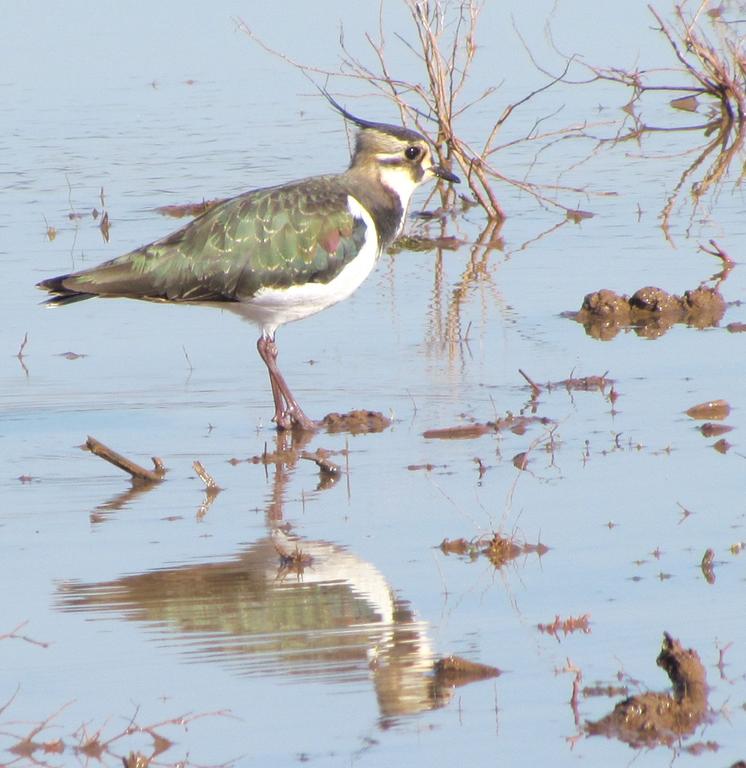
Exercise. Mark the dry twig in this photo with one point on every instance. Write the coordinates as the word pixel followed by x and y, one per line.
pixel 13 634
pixel 716 71
pixel 210 485
pixel 139 474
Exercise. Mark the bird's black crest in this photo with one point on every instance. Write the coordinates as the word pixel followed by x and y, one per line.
pixel 395 130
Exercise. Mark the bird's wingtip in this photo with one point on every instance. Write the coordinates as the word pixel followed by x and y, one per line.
pixel 59 294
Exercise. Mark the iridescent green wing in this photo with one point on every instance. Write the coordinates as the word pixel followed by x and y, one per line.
pixel 275 237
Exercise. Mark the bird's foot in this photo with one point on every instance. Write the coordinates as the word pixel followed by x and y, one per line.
pixel 293 418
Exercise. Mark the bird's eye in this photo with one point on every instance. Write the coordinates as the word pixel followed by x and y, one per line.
pixel 412 152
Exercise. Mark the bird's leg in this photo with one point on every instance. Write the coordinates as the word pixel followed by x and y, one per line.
pixel 293 415
pixel 265 347
pixel 288 413
pixel 268 352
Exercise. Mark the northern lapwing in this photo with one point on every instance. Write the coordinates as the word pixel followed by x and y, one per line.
pixel 277 254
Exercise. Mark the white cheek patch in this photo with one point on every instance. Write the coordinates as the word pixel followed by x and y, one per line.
pixel 398 178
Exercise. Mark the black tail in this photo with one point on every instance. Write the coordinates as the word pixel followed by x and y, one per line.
pixel 60 294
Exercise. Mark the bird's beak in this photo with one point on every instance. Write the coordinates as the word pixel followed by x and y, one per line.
pixel 442 173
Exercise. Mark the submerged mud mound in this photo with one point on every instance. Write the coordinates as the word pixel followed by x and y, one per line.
pixel 498 549
pixel 650 311
pixel 356 422
pixel 653 719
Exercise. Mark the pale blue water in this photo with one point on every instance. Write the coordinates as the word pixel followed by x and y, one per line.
pixel 155 607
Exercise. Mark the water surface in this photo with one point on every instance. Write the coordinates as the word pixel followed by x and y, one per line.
pixel 157 603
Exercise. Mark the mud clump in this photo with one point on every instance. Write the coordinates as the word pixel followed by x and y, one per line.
pixel 605 304
pixel 501 550
pixel 713 410
pixel 516 424
pixel 566 626
pixel 454 670
pixel 498 549
pixel 650 311
pixel 652 719
pixel 456 547
pixel 356 422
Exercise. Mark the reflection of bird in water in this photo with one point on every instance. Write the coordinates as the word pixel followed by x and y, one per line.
pixel 277 254
pixel 283 606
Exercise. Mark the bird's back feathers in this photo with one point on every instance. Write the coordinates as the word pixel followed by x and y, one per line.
pixel 268 238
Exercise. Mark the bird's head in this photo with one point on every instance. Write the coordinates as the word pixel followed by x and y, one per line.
pixel 401 158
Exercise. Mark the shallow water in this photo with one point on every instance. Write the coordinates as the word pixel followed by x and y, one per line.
pixel 162 602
